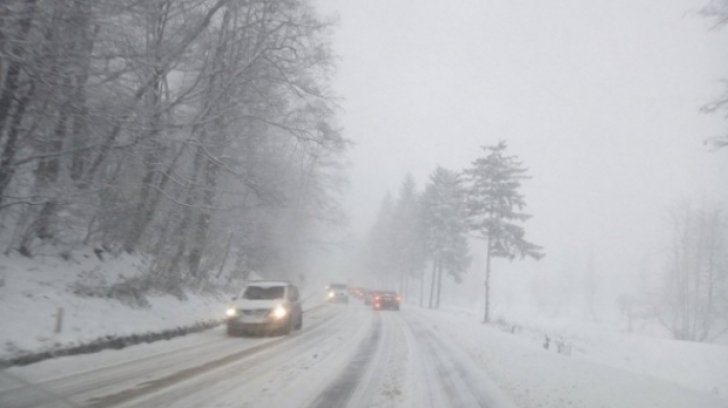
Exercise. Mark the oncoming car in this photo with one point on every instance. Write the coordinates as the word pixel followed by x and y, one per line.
pixel 385 299
pixel 337 293
pixel 265 307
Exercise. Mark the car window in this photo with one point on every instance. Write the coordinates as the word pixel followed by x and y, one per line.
pixel 263 293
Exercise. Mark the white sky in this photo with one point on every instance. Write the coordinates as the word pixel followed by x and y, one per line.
pixel 599 98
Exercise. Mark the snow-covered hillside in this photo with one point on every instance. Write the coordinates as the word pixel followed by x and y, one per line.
pixel 33 291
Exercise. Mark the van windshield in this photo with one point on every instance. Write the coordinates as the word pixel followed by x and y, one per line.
pixel 258 292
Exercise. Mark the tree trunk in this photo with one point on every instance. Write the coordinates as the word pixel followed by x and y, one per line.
pixel 402 282
pixel 712 226
pixel 423 275
pixel 204 218
pixel 38 228
pixel 12 75
pixel 142 214
pixel 439 285
pixel 433 275
pixel 79 120
pixel 486 314
pixel 147 204
pixel 225 256
pixel 7 169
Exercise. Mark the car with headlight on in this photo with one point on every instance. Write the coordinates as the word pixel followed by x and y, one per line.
pixel 265 307
pixel 337 293
pixel 385 299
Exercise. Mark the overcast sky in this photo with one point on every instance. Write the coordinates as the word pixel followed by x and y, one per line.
pixel 599 98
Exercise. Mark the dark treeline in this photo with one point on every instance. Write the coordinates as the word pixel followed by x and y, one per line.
pixel 193 132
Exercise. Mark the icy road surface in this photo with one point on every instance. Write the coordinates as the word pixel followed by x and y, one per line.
pixel 345 356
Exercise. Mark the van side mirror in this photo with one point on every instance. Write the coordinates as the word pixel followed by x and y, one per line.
pixel 234 298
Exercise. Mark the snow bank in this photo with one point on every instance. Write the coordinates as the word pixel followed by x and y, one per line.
pixel 595 364
pixel 33 291
pixel 699 366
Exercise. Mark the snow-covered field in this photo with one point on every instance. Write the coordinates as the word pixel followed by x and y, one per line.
pixel 699 366
pixel 596 367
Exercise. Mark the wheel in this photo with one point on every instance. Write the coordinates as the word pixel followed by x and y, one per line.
pixel 299 323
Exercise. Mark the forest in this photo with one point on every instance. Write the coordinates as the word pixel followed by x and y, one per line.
pixel 190 132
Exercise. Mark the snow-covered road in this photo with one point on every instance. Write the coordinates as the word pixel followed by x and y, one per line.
pixel 344 356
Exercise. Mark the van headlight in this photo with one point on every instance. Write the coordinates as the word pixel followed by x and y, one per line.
pixel 331 295
pixel 279 312
pixel 231 312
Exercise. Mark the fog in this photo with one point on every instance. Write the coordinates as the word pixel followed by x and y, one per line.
pixel 553 169
pixel 601 100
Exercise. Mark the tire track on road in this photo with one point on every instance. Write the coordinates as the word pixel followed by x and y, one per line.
pixel 191 359
pixel 385 381
pixel 155 385
pixel 290 376
pixel 109 375
pixel 457 382
pixel 338 393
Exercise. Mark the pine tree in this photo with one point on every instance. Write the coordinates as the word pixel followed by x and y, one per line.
pixel 407 242
pixel 494 207
pixel 445 226
pixel 717 10
pixel 380 245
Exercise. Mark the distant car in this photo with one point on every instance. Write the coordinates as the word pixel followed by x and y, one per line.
pixel 354 291
pixel 357 292
pixel 337 293
pixel 385 299
pixel 265 307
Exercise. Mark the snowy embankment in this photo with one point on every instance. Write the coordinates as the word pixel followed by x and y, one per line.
pixel 100 304
pixel 593 360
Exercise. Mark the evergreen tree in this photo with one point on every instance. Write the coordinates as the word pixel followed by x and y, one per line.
pixel 717 10
pixel 445 226
pixel 408 252
pixel 379 251
pixel 494 206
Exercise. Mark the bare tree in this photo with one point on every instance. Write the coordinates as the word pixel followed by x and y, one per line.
pixel 156 127
pixel 695 292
